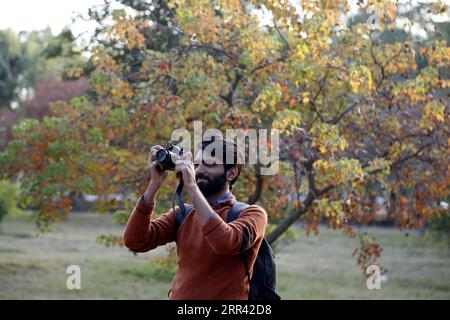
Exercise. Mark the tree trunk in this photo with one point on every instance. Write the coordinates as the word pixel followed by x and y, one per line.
pixel 284 225
pixel 293 216
pixel 258 190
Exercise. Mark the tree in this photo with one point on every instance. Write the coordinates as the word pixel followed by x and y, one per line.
pixel 358 115
pixel 14 58
pixel 25 56
pixel 36 68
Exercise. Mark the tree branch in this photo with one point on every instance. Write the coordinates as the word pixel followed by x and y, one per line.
pixel 207 47
pixel 338 118
pixel 285 224
pixel 313 194
pixel 259 187
pixel 312 102
pixel 228 97
pixel 296 213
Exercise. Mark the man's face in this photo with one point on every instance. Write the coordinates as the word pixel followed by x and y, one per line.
pixel 210 177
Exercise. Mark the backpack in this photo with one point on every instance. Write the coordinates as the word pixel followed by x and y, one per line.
pixel 262 283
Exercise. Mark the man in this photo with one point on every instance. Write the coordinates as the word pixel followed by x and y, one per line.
pixel 208 248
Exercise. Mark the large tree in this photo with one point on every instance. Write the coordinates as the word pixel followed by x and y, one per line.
pixel 361 112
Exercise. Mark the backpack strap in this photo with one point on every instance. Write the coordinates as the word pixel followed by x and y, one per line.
pixel 235 210
pixel 233 214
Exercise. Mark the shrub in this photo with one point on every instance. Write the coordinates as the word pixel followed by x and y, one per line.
pixel 9 193
pixel 439 228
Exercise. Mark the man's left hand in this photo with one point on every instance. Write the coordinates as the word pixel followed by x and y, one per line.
pixel 185 167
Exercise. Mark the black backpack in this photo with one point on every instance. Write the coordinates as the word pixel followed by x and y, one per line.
pixel 262 283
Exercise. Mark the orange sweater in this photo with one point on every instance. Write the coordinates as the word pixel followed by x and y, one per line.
pixel 209 266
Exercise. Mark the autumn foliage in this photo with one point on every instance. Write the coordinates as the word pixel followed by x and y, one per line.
pixel 361 113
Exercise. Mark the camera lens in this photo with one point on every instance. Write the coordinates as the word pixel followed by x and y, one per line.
pixel 162 156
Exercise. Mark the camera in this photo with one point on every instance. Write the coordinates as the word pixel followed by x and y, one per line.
pixel 167 156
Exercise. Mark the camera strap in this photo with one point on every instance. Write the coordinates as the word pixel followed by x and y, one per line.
pixel 177 194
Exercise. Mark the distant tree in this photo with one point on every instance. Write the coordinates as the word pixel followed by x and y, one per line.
pixel 25 56
pixel 14 59
pixel 33 66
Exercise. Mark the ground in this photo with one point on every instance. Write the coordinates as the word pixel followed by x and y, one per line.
pixel 315 267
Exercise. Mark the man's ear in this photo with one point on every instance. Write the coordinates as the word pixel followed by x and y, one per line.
pixel 232 173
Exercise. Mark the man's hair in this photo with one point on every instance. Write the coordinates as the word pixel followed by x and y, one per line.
pixel 229 147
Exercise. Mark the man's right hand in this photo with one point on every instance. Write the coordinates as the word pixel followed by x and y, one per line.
pixel 157 175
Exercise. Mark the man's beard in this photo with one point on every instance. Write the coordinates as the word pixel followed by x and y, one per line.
pixel 213 186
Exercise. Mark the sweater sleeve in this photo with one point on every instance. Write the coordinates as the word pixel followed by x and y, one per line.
pixel 227 238
pixel 142 233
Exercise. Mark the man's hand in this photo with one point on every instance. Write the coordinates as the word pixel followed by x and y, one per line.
pixel 203 210
pixel 185 167
pixel 157 175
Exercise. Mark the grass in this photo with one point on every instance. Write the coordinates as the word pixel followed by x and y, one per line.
pixel 316 267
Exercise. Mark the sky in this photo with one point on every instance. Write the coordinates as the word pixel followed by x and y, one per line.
pixel 31 15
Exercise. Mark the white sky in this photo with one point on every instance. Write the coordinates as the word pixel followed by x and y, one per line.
pixel 38 14
pixel 31 15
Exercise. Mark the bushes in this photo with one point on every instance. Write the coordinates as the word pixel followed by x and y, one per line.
pixel 161 268
pixel 439 228
pixel 9 193
pixel 3 210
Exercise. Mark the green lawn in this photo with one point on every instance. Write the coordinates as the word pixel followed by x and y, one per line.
pixel 34 267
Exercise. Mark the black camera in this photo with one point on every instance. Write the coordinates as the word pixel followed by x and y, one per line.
pixel 166 157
